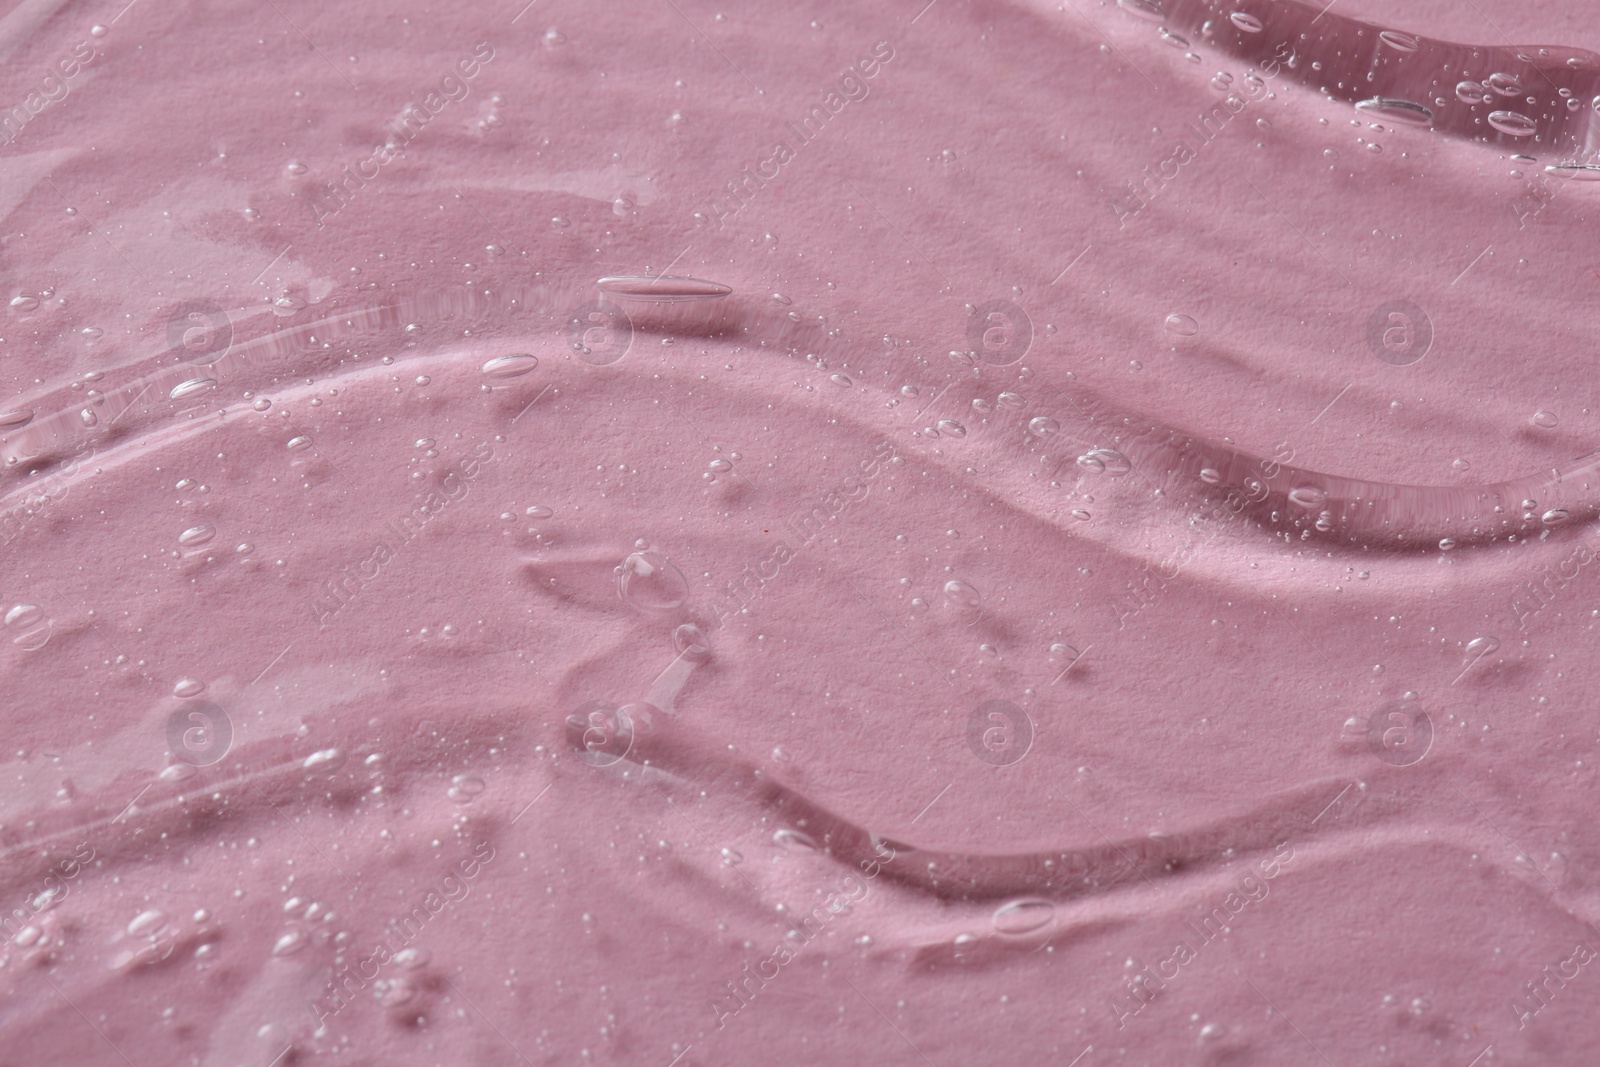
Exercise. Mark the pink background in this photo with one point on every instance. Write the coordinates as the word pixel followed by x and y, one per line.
pixel 387 690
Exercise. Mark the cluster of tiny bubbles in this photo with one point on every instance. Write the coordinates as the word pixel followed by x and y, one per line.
pixel 396 992
pixel 154 931
pixel 1418 1005
pixel 715 467
pixel 962 597
pixel 324 761
pixel 1106 461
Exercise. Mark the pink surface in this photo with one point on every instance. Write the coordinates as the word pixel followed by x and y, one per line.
pixel 1111 584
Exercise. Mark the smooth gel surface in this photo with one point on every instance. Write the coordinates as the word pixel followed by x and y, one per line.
pixel 1066 536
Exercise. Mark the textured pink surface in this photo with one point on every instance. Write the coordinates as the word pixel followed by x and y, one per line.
pixel 348 707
